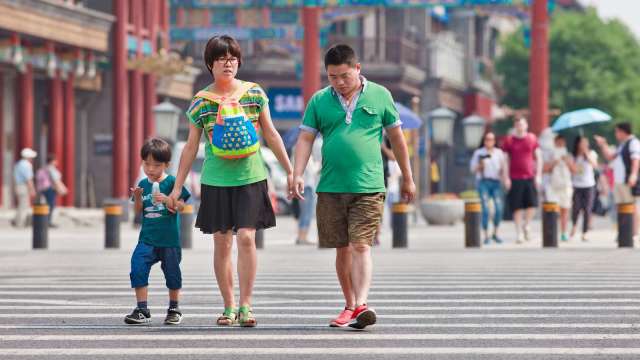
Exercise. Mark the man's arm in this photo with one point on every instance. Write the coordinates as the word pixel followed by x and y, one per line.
pixel 399 147
pixel 604 148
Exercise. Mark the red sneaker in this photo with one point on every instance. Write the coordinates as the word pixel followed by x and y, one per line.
pixel 342 319
pixel 362 317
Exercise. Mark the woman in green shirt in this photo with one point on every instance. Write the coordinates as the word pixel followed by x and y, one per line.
pixel 234 195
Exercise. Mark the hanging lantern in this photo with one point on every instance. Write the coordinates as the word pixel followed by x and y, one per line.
pixel 79 64
pixel 91 67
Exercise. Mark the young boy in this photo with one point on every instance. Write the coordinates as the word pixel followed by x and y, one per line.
pixel 159 238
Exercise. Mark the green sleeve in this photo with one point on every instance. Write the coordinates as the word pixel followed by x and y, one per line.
pixel 390 116
pixel 310 120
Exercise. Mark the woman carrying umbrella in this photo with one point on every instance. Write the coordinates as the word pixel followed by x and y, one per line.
pixel 582 166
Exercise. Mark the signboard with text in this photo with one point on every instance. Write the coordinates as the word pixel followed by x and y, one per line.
pixel 285 103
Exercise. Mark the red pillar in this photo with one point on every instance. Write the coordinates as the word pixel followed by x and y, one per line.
pixel 164 21
pixel 150 97
pixel 56 118
pixel 120 159
pixel 136 99
pixel 137 122
pixel 2 149
pixel 69 147
pixel 539 67
pixel 25 113
pixel 311 74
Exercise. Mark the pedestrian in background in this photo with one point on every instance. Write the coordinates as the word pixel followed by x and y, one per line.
pixel 308 204
pixel 525 172
pixel 489 164
pixel 351 115
pixel 583 167
pixel 558 187
pixel 49 184
pixel 234 191
pixel 23 186
pixel 626 164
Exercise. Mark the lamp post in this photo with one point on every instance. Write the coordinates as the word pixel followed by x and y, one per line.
pixel 473 127
pixel 167 116
pixel 442 121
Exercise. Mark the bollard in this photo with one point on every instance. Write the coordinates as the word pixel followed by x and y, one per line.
pixel 625 225
pixel 260 239
pixel 399 224
pixel 472 219
pixel 40 225
pixel 112 216
pixel 550 212
pixel 186 226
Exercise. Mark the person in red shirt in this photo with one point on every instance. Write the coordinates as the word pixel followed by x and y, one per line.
pixel 525 171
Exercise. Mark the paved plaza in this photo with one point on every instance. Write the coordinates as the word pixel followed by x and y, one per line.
pixel 435 300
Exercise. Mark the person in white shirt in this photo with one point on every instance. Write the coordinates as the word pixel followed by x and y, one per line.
pixel 625 163
pixel 489 164
pixel 582 166
pixel 558 188
pixel 24 187
pixel 307 206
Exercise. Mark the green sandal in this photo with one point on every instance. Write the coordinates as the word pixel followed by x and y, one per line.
pixel 245 316
pixel 229 317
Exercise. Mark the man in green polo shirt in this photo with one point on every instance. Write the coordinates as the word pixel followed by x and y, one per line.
pixel 351 115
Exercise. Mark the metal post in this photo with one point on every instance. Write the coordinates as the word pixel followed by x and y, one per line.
pixel 399 224
pixel 186 226
pixel 472 219
pixel 40 224
pixel 625 224
pixel 260 239
pixel 550 224
pixel 112 216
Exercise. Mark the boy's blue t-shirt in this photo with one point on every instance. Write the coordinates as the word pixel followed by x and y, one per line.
pixel 160 228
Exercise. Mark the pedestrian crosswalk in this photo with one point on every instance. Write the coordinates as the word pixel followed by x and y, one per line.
pixel 538 314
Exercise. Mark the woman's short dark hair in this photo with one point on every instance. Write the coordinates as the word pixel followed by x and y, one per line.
pixel 340 54
pixel 50 158
pixel 220 46
pixel 158 149
pixel 624 127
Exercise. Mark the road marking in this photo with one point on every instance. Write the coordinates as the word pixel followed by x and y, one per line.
pixel 331 315
pixel 317 337
pixel 326 350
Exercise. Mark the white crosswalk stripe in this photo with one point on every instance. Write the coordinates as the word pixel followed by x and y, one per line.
pixel 511 314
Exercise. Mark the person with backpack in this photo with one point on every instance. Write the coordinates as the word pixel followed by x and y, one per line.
pixel 625 163
pixel 49 184
pixel 234 194
pixel 558 187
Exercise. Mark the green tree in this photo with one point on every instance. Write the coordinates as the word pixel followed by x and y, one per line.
pixel 593 63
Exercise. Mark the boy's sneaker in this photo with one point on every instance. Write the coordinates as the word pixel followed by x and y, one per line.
pixel 174 317
pixel 362 317
pixel 343 319
pixel 138 317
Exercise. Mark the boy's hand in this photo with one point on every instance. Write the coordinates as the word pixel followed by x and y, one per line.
pixel 136 192
pixel 160 198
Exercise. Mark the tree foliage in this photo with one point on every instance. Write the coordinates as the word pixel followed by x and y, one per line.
pixel 593 63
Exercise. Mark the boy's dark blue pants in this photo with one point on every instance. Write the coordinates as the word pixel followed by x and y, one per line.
pixel 144 256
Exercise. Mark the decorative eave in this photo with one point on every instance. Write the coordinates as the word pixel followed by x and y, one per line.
pixel 50 20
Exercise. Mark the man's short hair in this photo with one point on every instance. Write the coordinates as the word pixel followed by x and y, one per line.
pixel 158 149
pixel 624 127
pixel 340 54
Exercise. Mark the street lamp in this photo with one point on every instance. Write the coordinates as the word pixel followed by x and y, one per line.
pixel 442 121
pixel 473 127
pixel 167 116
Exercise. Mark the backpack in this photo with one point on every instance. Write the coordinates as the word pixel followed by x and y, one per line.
pixel 233 136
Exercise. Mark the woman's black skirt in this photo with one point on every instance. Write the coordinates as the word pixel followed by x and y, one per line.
pixel 224 208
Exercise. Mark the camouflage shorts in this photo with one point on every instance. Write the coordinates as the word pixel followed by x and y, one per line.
pixel 348 218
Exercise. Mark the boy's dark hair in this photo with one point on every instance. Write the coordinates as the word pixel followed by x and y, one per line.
pixel 624 127
pixel 340 54
pixel 158 149
pixel 220 46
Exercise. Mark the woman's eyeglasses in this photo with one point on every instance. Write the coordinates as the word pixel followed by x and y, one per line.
pixel 225 61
